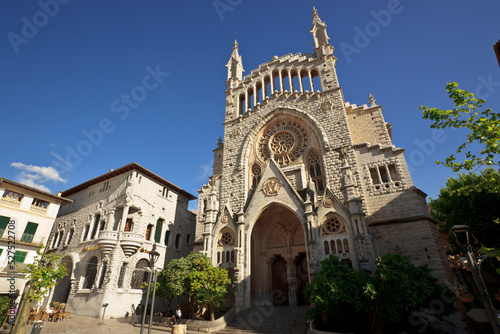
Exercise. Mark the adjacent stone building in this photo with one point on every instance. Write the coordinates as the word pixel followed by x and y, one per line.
pixel 302 174
pixel 106 233
pixel 27 215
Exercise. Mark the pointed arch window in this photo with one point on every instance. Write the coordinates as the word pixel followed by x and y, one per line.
pixel 315 170
pixel 256 175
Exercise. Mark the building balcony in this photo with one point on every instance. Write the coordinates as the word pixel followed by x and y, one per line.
pixel 10 202
pixel 107 241
pixel 38 210
pixel 130 242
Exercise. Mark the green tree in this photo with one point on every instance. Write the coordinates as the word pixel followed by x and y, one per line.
pixel 476 207
pixel 339 290
pixel 172 281
pixel 4 309
pixel 402 287
pixel 483 127
pixel 42 275
pixel 396 288
pixel 207 284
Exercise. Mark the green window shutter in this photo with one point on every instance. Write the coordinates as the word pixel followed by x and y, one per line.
pixel 29 232
pixel 19 256
pixel 1 250
pixel 159 225
pixel 4 221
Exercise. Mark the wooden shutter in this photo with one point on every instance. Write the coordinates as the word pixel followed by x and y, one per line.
pixel 29 232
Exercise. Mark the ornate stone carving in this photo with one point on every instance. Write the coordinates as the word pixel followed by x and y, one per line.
pixel 328 202
pixel 332 225
pixel 225 219
pixel 226 239
pixel 272 186
pixel 287 140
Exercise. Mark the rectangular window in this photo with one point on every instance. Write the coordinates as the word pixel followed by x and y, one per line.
pixel 13 195
pixel 177 241
pixel 85 232
pixel 129 225
pixel 188 238
pixel 383 174
pixel 167 235
pixel 165 192
pixel 70 236
pixel 1 250
pixel 159 227
pixel 40 203
pixel 148 231
pixel 56 236
pixel 4 221
pixel 374 176
pixel 29 232
pixel 393 173
pixel 60 238
pixel 94 227
pixel 20 256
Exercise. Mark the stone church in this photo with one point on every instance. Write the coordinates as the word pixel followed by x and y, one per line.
pixel 302 174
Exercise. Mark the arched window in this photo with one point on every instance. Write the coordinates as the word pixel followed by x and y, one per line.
pixel 140 274
pixel 226 241
pixel 256 175
pixel 90 273
pixel 315 171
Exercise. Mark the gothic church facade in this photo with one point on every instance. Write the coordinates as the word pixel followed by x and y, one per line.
pixel 301 175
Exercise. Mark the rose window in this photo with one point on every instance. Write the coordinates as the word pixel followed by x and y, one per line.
pixel 282 143
pixel 333 225
pixel 226 239
pixel 286 140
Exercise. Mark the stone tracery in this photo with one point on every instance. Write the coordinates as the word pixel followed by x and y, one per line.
pixel 286 139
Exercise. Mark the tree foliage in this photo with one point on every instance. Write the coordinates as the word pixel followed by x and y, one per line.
pixel 207 284
pixel 401 287
pixel 396 288
pixel 476 207
pixel 337 286
pixel 194 275
pixel 483 127
pixel 172 281
pixel 4 309
pixel 43 273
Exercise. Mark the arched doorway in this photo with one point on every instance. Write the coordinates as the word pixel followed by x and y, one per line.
pixel 63 285
pixel 277 240
pixel 279 282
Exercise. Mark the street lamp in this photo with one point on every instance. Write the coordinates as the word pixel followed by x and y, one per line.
pixel 153 257
pixel 475 269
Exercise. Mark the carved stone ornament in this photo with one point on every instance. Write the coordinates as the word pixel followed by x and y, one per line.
pixel 225 219
pixel 328 202
pixel 272 186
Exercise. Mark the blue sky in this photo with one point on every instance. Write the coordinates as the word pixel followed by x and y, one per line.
pixel 69 68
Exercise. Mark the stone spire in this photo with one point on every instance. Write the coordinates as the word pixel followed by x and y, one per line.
pixel 318 30
pixel 235 65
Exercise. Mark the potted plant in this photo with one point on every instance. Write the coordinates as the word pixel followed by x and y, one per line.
pixel 463 294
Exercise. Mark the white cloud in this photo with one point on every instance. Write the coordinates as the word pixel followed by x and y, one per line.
pixel 36 176
pixel 205 172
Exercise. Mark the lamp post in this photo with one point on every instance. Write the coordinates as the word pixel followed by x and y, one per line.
pixel 476 274
pixel 153 257
pixel 155 272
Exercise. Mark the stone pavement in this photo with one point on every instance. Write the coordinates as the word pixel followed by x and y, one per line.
pixel 83 325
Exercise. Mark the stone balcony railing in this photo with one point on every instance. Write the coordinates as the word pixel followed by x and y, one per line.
pixel 107 241
pixel 131 242
pixel 39 210
pixel 11 202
